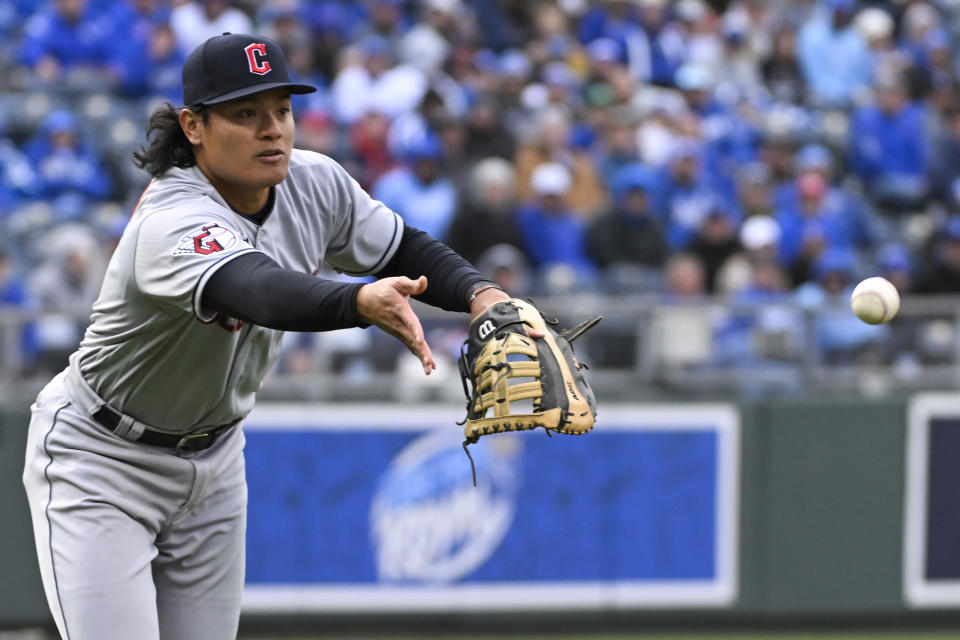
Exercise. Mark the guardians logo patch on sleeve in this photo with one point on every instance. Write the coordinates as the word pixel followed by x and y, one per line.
pixel 210 238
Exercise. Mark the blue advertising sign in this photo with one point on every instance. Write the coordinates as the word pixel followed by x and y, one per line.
pixel 373 508
pixel 932 519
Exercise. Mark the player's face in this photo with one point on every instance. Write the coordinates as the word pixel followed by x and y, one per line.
pixel 244 147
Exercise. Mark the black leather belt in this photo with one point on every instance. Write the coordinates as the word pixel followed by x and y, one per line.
pixel 189 442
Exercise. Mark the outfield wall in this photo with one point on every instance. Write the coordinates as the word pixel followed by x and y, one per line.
pixel 763 510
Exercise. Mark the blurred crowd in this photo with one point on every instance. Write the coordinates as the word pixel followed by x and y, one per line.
pixel 757 151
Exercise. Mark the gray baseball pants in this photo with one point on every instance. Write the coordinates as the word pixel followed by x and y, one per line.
pixel 134 541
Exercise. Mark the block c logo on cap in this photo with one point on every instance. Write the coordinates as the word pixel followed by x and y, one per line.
pixel 257 58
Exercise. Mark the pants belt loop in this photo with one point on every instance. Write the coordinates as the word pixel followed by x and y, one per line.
pixel 129 428
pixel 135 430
pixel 90 402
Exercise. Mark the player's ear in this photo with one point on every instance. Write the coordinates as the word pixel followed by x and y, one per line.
pixel 191 123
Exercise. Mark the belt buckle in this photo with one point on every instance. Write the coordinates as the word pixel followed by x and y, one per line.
pixel 194 442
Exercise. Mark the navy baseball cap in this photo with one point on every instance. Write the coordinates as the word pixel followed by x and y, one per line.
pixel 233 65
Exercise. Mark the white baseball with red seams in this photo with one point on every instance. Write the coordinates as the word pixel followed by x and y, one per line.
pixel 875 300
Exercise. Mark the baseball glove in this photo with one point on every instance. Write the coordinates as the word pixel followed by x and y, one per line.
pixel 504 365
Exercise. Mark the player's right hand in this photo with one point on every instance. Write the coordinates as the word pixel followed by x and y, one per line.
pixel 386 304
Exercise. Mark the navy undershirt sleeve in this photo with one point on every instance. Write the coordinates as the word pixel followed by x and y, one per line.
pixel 450 278
pixel 254 288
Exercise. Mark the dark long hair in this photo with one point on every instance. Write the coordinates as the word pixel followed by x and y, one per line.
pixel 166 146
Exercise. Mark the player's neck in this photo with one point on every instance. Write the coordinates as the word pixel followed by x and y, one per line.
pixel 241 198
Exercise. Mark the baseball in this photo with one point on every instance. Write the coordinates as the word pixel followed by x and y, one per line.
pixel 875 300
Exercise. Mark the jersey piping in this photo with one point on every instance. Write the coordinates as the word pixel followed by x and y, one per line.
pixel 385 258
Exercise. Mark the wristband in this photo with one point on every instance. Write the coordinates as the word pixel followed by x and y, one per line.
pixel 478 290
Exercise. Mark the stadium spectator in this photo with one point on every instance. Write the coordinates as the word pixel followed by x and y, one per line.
pixel 317 131
pixel 148 62
pixel 514 70
pixel 553 235
pixel 509 267
pixel 487 212
pixel 686 193
pixel 908 345
pixel 841 337
pixel 618 146
pixel 814 214
pixel 368 147
pixel 697 83
pixel 755 189
pixel 612 19
pixel 369 79
pixel 920 37
pixel 387 19
pixel 431 116
pixel 759 239
pixel 551 143
pixel 939 271
pixel 14 296
pixel 760 326
pixel 739 59
pixel 18 181
pixel 552 40
pixel 331 27
pixel 888 147
pixel 629 233
pixel 13 14
pixel 70 172
pixel 427 44
pixel 63 288
pixel 419 190
pixel 13 291
pixel 196 20
pixel 652 41
pixel 684 278
pixel 286 22
pixel 560 88
pixel 67 44
pixel 716 241
pixel 826 37
pixel 607 81
pixel 299 54
pixel 877 28
pixel 896 264
pixel 486 132
pixel 809 226
pixel 945 157
pixel 939 70
pixel 698 21
pixel 503 24
pixel 781 71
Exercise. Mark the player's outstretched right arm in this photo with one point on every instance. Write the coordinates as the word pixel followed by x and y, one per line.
pixel 386 304
pixel 256 289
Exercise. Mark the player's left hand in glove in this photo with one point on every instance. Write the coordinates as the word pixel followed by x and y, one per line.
pixel 503 365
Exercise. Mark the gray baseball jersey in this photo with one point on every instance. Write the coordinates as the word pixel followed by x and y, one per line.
pixel 152 352
pixel 148 542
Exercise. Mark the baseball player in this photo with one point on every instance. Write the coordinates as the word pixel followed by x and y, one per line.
pixel 134 466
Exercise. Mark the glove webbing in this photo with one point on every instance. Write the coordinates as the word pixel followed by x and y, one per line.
pixel 493 388
pixel 493 381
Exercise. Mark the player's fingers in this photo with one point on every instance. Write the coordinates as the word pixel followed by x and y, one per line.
pixel 416 341
pixel 425 355
pixel 417 344
pixel 536 333
pixel 393 314
pixel 405 326
pixel 410 287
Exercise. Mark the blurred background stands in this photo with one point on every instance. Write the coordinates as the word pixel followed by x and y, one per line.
pixel 701 173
